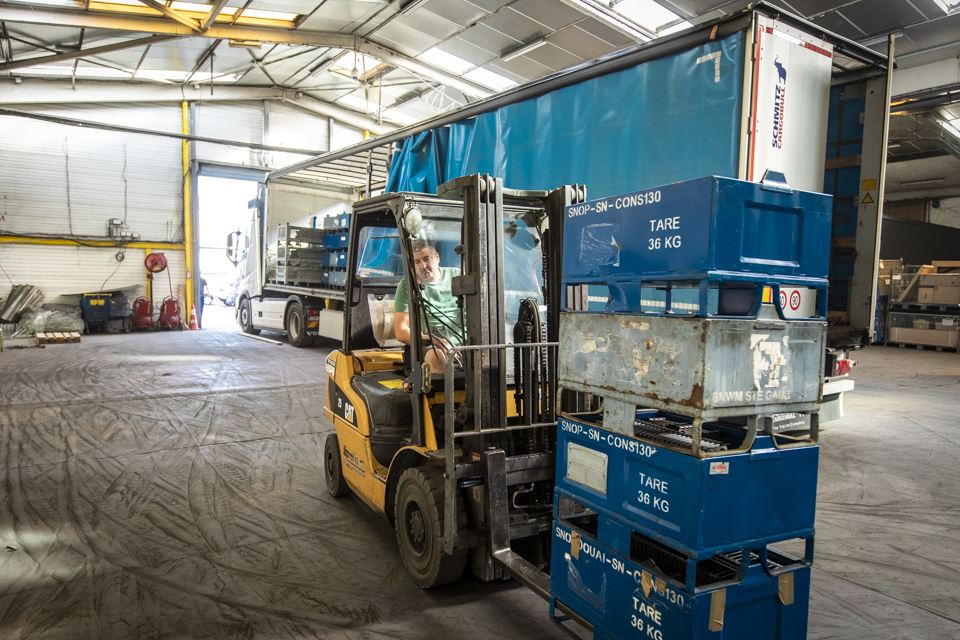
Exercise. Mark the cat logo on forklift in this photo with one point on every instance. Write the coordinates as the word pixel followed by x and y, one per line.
pixel 342 407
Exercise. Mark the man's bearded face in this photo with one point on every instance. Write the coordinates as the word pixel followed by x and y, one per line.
pixel 426 263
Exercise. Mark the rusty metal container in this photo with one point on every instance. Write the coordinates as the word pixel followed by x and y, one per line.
pixel 704 368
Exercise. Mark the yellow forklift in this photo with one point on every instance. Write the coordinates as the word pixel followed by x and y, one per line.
pixel 459 457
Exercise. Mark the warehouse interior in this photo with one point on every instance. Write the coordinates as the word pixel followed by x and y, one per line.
pixel 208 211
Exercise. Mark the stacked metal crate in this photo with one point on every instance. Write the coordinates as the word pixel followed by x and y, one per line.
pixel 695 449
pixel 312 256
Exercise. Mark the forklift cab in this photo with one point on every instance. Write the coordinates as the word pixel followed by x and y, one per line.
pixel 409 440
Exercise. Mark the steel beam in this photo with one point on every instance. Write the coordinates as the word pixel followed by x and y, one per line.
pixel 173 15
pixel 214 12
pixel 876 130
pixel 88 124
pixel 82 53
pixel 74 18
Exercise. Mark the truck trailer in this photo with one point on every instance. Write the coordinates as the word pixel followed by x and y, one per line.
pixel 291 257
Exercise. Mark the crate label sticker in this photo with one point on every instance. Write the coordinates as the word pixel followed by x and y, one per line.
pixel 947 322
pixel 719 468
pixel 653 492
pixel 587 467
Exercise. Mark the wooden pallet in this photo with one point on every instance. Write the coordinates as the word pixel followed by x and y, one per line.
pixel 921 347
pixel 57 337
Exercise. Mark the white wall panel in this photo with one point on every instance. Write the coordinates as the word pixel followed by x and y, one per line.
pixel 64 272
pixel 63 180
pixel 292 127
pixel 344 136
pixel 236 121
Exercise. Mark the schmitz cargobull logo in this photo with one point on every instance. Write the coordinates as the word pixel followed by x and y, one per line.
pixel 779 102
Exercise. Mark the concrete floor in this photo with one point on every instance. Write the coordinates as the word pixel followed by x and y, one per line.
pixel 170 486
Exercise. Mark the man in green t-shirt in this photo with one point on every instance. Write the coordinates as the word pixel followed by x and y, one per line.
pixel 441 314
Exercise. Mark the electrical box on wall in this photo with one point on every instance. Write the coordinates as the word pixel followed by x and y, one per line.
pixel 117 229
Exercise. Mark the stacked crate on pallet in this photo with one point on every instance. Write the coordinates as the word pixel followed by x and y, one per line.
pixel 925 312
pixel 313 256
pixel 699 452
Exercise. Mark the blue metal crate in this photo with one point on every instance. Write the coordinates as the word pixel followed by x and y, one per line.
pixel 711 234
pixel 699 506
pixel 765 595
pixel 336 259
pixel 336 241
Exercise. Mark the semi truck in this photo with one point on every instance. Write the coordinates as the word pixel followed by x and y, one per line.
pixel 291 257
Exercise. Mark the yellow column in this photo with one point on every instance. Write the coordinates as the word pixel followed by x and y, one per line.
pixel 187 212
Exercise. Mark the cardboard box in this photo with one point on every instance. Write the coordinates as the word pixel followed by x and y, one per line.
pixel 946 295
pixel 925 295
pixel 888 267
pixel 947 324
pixel 928 337
pixel 940 280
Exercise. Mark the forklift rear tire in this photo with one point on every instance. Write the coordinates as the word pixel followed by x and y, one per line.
pixel 296 326
pixel 246 318
pixel 333 468
pixel 418 512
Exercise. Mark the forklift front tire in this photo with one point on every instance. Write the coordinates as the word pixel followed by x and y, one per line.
pixel 418 511
pixel 333 469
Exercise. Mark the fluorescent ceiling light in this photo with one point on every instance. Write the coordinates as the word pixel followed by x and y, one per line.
pixel 647 13
pixel 447 61
pixel 916 183
pixel 948 6
pixel 523 50
pixel 490 79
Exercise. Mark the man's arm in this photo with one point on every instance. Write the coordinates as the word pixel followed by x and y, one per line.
pixel 401 326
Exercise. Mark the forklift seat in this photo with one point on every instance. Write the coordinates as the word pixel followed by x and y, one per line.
pixel 390 411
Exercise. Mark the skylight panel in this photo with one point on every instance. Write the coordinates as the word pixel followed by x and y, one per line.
pixel 648 14
pixel 446 61
pixel 488 78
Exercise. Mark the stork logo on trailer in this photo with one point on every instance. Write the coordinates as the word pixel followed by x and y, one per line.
pixel 779 102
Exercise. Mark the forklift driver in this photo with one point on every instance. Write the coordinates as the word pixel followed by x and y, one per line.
pixel 440 316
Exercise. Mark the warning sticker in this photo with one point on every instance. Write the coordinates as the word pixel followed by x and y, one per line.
pixel 719 468
pixel 867 199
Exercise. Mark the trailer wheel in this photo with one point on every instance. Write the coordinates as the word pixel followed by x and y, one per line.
pixel 245 316
pixel 418 518
pixel 296 326
pixel 333 468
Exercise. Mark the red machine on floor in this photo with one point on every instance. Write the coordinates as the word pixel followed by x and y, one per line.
pixel 170 314
pixel 143 314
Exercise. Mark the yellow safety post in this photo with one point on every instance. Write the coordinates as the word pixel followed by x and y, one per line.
pixel 187 213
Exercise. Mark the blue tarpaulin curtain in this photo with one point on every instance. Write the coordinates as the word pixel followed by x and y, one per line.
pixel 664 120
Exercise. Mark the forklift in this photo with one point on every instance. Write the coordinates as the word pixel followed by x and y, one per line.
pixel 459 460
